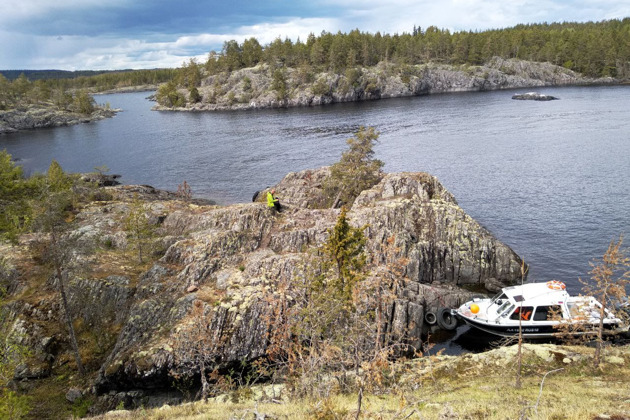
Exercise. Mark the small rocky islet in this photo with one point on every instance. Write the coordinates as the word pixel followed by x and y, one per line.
pixel 34 117
pixel 534 96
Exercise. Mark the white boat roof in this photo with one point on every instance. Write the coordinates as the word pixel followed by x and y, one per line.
pixel 536 294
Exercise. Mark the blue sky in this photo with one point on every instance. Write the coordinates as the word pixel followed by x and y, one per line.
pixel 120 34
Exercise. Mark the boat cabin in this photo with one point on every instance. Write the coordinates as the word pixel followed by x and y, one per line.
pixel 532 302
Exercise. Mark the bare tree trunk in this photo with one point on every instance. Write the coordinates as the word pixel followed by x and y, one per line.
pixel 139 239
pixel 379 317
pixel 205 387
pixel 337 200
pixel 600 329
pixel 66 310
pixel 519 354
pixel 359 401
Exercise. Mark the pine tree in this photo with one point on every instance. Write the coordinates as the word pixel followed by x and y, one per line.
pixel 138 226
pixel 83 103
pixel 11 197
pixel 56 178
pixel 51 217
pixel 356 171
pixel 344 252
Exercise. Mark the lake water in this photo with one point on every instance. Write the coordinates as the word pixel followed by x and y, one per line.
pixel 550 179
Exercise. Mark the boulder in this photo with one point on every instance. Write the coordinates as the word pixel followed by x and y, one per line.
pixel 100 179
pixel 533 96
pixel 73 394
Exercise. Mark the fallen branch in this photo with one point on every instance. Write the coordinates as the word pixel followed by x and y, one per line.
pixel 542 383
pixel 541 386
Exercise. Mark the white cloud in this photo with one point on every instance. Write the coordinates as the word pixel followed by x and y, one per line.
pixel 127 50
pixel 18 10
pixel 401 15
pixel 106 53
pixel 293 29
pixel 265 32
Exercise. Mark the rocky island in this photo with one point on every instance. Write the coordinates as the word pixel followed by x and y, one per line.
pixel 258 87
pixel 34 117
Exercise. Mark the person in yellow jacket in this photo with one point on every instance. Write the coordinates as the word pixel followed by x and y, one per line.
pixel 273 202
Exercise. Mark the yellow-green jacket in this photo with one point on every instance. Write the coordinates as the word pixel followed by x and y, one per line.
pixel 271 199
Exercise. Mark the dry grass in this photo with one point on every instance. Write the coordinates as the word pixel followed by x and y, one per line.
pixel 465 387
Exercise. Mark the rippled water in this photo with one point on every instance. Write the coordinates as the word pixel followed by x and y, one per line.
pixel 550 179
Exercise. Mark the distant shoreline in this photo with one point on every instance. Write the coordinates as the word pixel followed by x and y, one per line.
pixel 129 89
pixel 380 82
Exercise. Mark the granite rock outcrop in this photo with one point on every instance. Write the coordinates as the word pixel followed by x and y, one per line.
pixel 235 257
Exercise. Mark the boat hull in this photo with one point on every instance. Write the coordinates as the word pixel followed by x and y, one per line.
pixel 537 331
pixel 528 331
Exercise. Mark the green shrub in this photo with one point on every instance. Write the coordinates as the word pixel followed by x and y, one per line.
pixel 81 407
pixel 353 75
pixel 371 86
pixel 247 84
pixel 320 87
pixel 195 96
pixel 14 406
pixel 167 95
pixel 231 98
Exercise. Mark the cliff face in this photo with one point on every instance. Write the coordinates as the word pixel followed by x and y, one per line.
pixel 233 257
pixel 252 88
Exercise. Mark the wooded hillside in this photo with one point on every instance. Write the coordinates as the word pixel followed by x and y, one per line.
pixel 595 49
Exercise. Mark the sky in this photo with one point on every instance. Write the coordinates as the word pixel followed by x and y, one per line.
pixel 145 34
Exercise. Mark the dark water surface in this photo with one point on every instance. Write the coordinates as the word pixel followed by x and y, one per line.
pixel 550 179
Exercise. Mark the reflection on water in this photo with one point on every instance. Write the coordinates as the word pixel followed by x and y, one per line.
pixel 461 340
pixel 322 131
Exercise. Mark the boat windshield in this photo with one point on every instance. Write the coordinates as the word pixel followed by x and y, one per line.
pixel 504 309
pixel 499 298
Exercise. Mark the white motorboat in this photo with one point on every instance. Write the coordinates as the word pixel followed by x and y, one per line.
pixel 539 309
